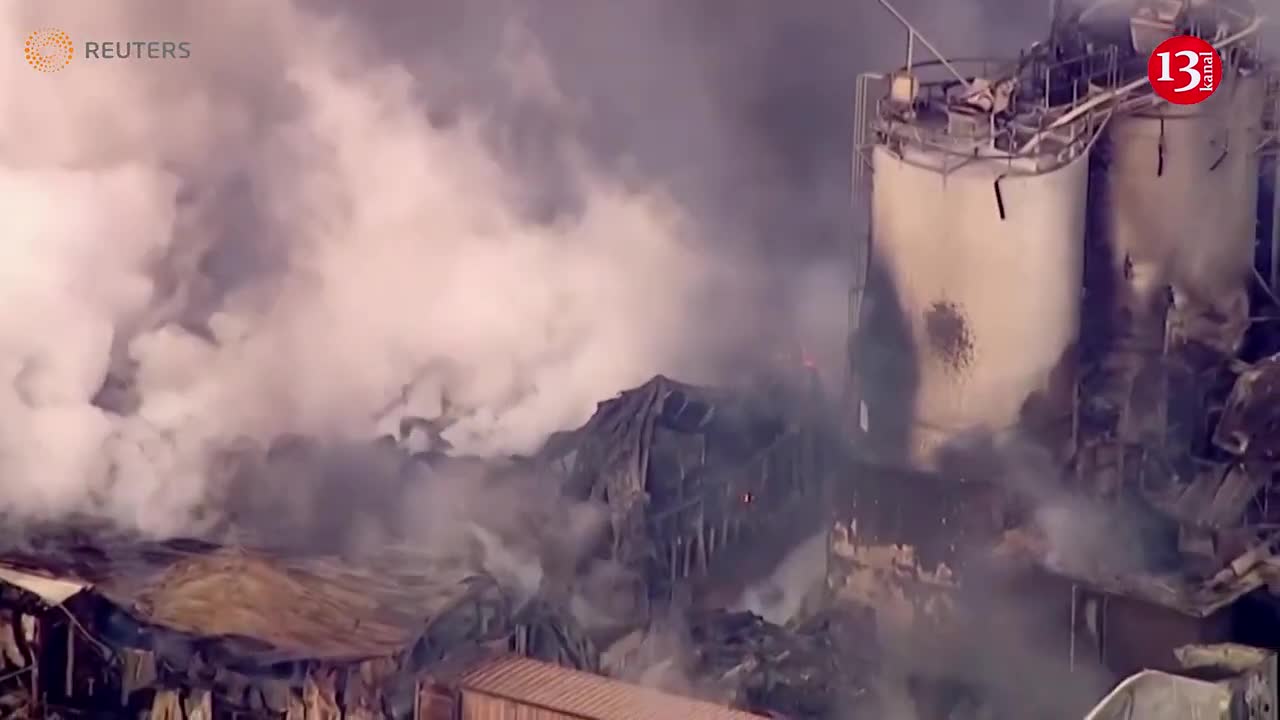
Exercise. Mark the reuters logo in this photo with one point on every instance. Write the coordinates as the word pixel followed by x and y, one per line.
pixel 48 50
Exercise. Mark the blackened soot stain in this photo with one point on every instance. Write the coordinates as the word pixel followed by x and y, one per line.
pixel 949 334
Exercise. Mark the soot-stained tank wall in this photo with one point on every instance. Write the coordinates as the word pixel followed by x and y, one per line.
pixel 984 265
pixel 1181 189
pixel 1173 208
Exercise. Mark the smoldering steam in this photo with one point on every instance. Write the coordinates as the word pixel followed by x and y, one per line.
pixel 406 271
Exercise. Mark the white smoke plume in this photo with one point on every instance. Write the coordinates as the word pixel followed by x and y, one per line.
pixel 781 597
pixel 403 272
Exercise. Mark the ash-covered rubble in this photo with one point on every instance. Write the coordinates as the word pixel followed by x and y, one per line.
pixel 822 666
pixel 1172 537
pixel 692 475
pixel 1207 484
pixel 329 579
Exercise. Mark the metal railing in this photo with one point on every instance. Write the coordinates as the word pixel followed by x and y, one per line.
pixel 873 120
pixel 913 35
pixel 1102 101
pixel 861 127
pixel 879 119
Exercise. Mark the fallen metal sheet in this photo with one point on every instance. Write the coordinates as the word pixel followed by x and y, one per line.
pixel 1219 496
pixel 54 591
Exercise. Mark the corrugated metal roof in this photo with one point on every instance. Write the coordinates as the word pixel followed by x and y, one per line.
pixel 586 695
pixel 311 607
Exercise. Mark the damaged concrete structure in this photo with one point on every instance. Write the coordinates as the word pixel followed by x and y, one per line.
pixel 1093 362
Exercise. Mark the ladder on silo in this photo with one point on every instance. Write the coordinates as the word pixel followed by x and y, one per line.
pixel 1271 144
pixel 861 137
pixel 1271 114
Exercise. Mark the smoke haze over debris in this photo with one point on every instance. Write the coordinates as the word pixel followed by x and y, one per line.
pixel 329 217
pixel 334 215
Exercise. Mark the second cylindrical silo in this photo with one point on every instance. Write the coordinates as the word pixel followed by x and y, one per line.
pixel 1175 204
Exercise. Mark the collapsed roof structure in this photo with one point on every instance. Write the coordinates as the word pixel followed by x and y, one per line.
pixel 108 625
pixel 239 627
pixel 690 474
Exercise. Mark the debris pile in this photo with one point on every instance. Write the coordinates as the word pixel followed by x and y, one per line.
pixel 823 665
pixel 688 473
pixel 116 627
pixel 287 604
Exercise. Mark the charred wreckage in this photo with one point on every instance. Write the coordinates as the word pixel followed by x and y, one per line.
pixel 1064 376
pixel 249 624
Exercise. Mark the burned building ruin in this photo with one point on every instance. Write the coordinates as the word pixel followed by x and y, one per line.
pixel 691 474
pixel 235 626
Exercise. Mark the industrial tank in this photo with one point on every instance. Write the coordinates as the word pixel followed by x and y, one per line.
pixel 977 245
pixel 1179 198
pixel 979 180
pixel 1174 227
pixel 985 262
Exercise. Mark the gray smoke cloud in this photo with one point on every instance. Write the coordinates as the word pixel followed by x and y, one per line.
pixel 328 218
pixel 393 266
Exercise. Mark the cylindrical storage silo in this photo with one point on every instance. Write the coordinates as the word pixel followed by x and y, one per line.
pixel 1176 207
pixel 978 273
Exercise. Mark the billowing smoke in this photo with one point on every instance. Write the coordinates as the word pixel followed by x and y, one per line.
pixel 273 237
pixel 782 596
pixel 328 218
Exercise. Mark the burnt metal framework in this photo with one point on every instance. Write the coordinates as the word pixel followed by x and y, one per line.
pixel 778 485
pixel 691 475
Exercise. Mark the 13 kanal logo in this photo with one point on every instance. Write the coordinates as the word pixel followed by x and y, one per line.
pixel 1185 70
pixel 48 50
